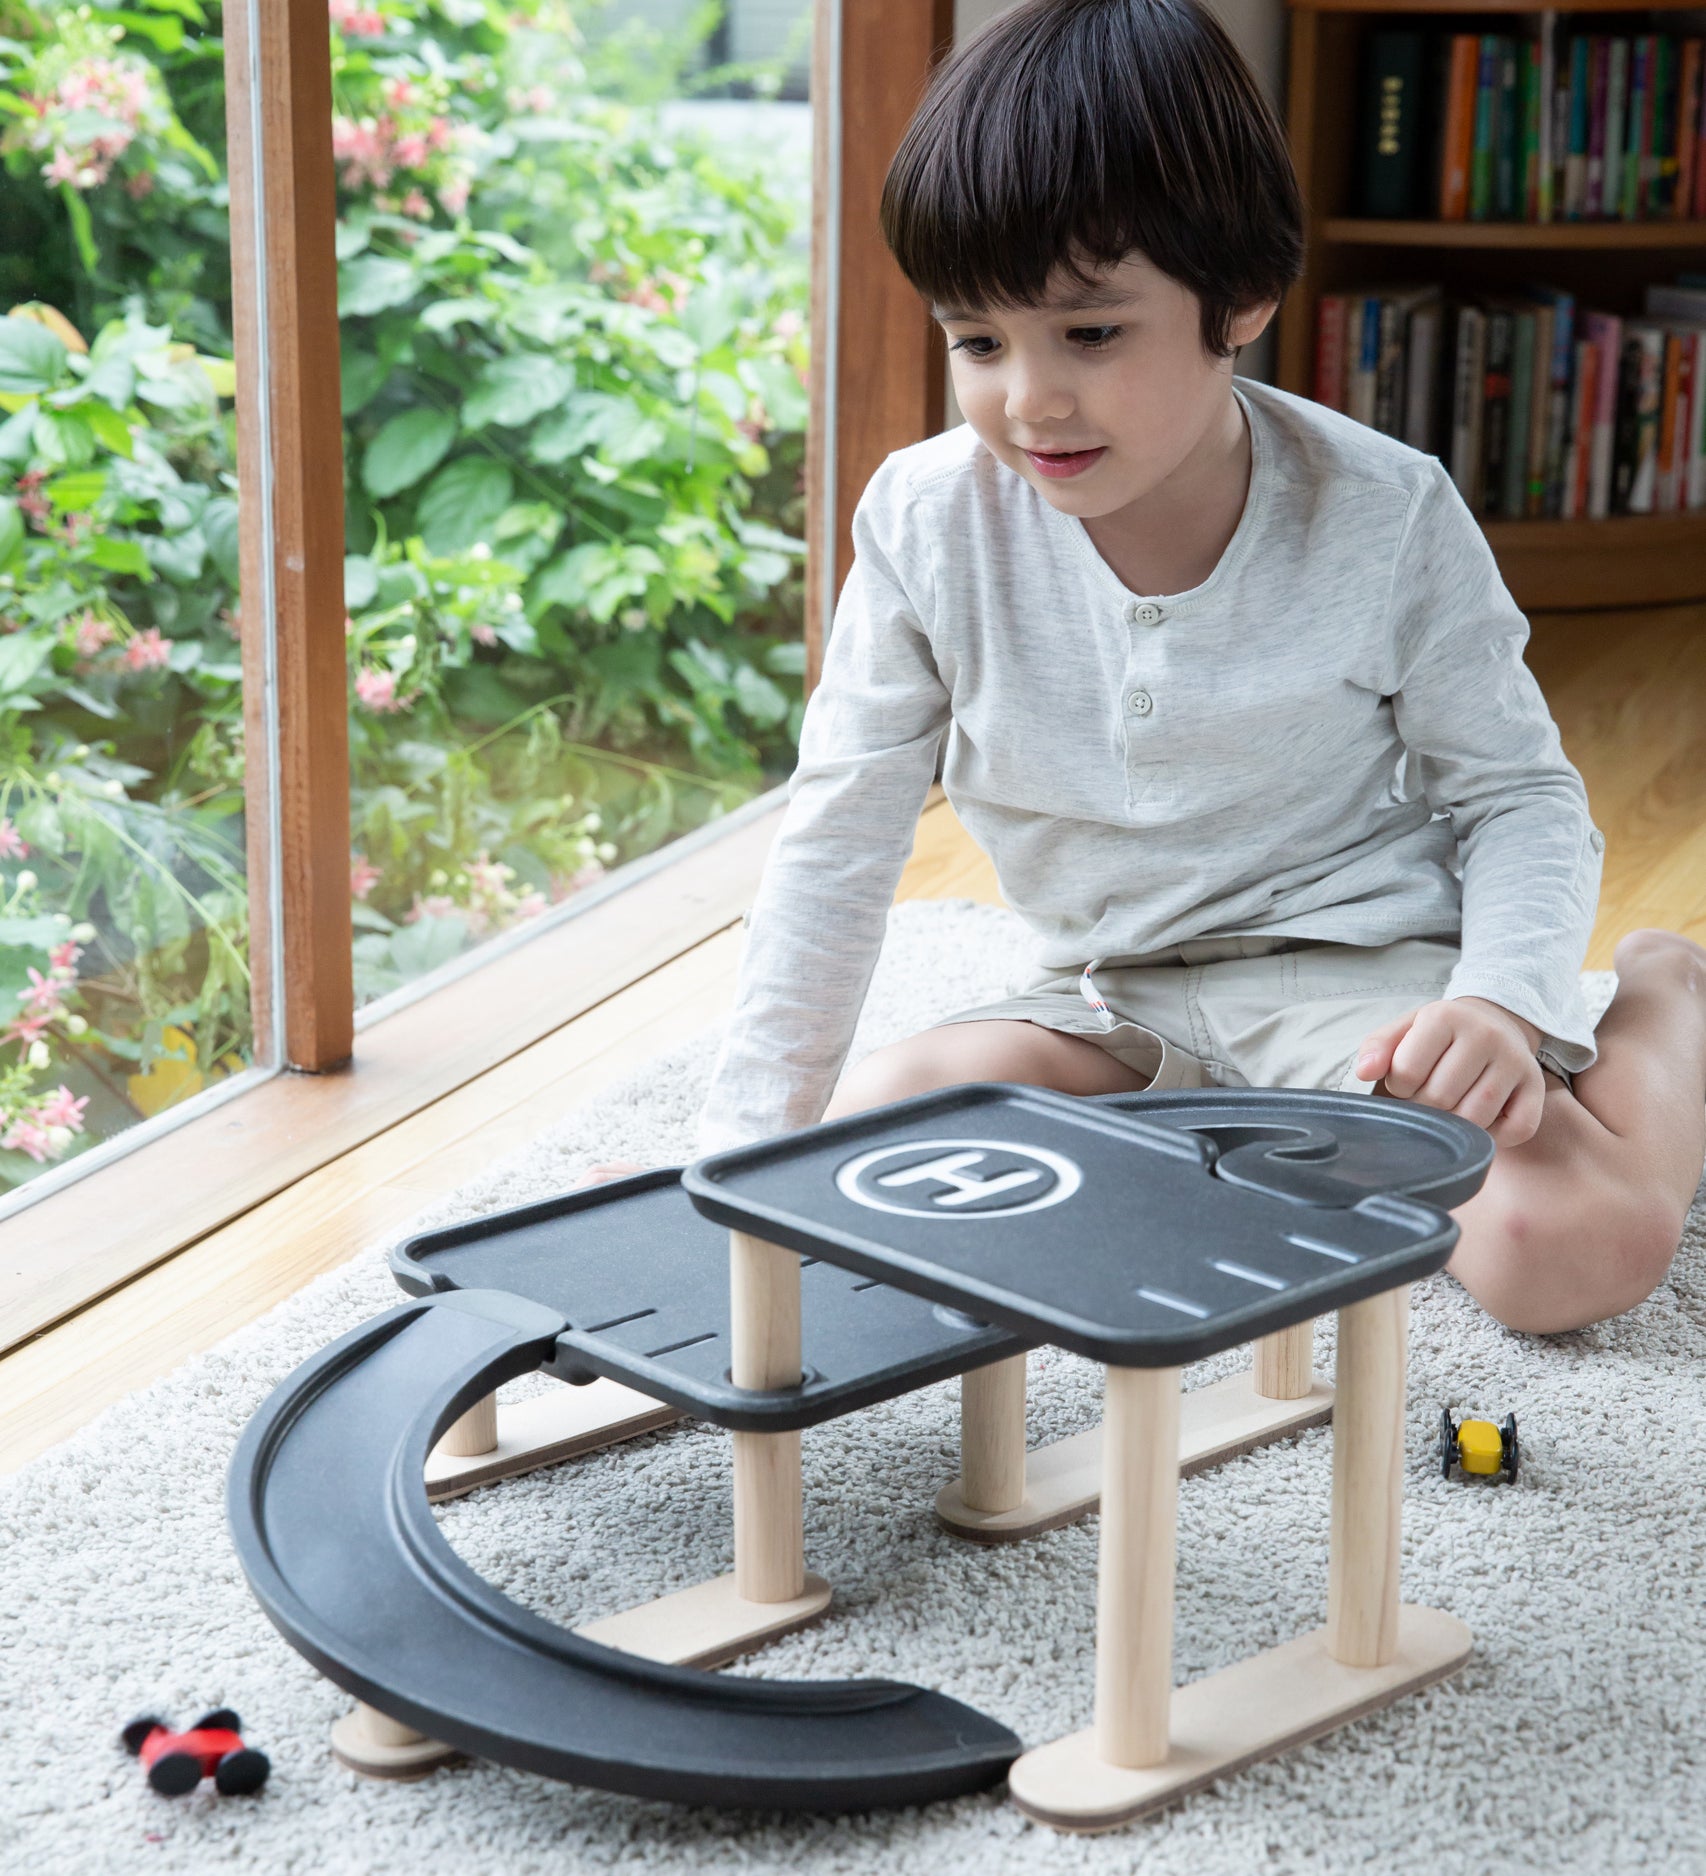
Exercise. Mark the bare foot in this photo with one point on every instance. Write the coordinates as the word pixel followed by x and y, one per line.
pixel 607 1170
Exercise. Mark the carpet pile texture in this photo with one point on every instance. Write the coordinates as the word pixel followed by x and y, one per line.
pixel 1571 1741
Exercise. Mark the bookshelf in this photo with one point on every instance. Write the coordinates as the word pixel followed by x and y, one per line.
pixel 1624 560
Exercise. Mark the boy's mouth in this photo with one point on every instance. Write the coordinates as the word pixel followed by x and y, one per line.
pixel 1071 462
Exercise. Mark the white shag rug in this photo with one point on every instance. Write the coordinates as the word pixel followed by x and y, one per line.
pixel 1573 1740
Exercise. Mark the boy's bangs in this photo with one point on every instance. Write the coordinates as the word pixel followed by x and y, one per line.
pixel 1066 134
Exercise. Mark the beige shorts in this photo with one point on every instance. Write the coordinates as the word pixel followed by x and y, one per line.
pixel 1239 1012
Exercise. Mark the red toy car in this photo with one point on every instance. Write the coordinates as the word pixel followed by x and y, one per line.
pixel 213 1747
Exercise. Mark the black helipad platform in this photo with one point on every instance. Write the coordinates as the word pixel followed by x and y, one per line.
pixel 1317 1147
pixel 1103 1229
pixel 642 1281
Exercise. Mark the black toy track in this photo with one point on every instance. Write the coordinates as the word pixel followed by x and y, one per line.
pixel 329 1513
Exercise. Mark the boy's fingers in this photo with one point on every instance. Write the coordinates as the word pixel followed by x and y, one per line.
pixel 1520 1120
pixel 1375 1055
pixel 1489 1099
pixel 1413 1059
pixel 1456 1079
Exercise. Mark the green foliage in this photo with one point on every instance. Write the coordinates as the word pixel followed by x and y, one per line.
pixel 573 384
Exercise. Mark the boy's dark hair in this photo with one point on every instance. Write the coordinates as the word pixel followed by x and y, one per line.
pixel 1068 132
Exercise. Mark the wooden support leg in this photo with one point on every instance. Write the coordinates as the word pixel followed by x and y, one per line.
pixel 1285 1363
pixel 1368 1480
pixel 1134 1595
pixel 770 1591
pixel 370 1742
pixel 992 1436
pixel 475 1433
pixel 1371 1650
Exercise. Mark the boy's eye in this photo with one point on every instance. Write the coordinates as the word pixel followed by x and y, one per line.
pixel 969 347
pixel 1093 338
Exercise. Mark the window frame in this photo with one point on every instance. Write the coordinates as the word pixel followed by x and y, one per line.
pixel 322 1084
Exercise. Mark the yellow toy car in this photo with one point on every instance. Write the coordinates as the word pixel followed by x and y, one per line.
pixel 1481 1449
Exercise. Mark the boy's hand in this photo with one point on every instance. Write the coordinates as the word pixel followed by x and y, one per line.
pixel 1466 1055
pixel 606 1170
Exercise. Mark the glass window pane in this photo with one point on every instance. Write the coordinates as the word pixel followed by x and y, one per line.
pixel 124 976
pixel 573 297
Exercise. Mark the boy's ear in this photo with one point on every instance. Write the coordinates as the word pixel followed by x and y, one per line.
pixel 1249 324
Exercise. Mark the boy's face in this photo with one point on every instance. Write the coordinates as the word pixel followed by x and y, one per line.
pixel 1096 397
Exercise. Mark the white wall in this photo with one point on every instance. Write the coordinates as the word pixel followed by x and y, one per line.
pixel 1258 30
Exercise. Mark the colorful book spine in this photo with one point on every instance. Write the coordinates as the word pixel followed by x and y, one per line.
pixel 1599 58
pixel 1528 155
pixel 1664 472
pixel 1640 71
pixel 1486 130
pixel 1661 166
pixel 1544 320
pixel 1616 120
pixel 1576 144
pixel 1495 410
pixel 1647 420
pixel 1605 331
pixel 1694 491
pixel 1688 128
pixel 1558 407
pixel 1548 42
pixel 1507 133
pixel 1514 500
pixel 1459 138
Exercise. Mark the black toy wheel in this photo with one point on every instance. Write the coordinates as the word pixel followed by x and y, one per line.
pixel 1447 1443
pixel 220 1720
pixel 175 1773
pixel 138 1730
pixel 1509 1452
pixel 241 1772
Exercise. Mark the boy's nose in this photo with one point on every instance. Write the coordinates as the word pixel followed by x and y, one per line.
pixel 1035 398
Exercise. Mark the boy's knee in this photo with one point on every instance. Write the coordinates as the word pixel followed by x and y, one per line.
pixel 1542 1270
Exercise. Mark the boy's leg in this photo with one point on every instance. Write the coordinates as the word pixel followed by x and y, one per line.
pixel 1581 1221
pixel 1002 1049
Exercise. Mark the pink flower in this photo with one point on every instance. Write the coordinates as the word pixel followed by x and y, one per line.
pixel 531 906
pixel 787 325
pixel 38 510
pixel 92 634
pixel 411 152
pixel 435 905
pixel 377 690
pixel 11 846
pixel 355 21
pixel 399 92
pixel 438 133
pixel 44 996
pixel 63 1109
pixel 139 185
pixel 483 634
pixel 147 651
pixel 63 168
pixel 363 876
pixel 454 195
pixel 24 1136
pixel 64 957
pixel 416 204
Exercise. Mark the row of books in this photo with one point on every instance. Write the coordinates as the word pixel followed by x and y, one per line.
pixel 1545 127
pixel 1539 407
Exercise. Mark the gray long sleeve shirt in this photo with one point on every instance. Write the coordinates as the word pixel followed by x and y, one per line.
pixel 1333 736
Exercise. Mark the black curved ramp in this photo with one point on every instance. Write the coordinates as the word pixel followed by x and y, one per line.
pixel 330 1520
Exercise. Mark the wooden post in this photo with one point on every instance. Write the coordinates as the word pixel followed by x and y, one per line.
pixel 1285 1362
pixel 992 1436
pixel 1134 1596
pixel 1368 1480
pixel 476 1432
pixel 764 1346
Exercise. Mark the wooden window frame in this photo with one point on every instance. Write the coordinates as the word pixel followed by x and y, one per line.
pixel 324 1088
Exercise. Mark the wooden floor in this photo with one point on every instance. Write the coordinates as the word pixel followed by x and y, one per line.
pixel 1628 692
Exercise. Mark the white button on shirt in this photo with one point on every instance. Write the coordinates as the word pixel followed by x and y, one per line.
pixel 1353 750
pixel 1147 614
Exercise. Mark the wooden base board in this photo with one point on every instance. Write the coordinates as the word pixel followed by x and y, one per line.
pixel 355 1745
pixel 546 1428
pixel 1064 1481
pixel 707 1625
pixel 1260 1707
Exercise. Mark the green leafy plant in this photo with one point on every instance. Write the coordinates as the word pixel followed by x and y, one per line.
pixel 573 377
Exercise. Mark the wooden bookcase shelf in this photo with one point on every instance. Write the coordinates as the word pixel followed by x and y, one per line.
pixel 1629 560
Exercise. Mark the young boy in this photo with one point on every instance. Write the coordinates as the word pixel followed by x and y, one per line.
pixel 1226 685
